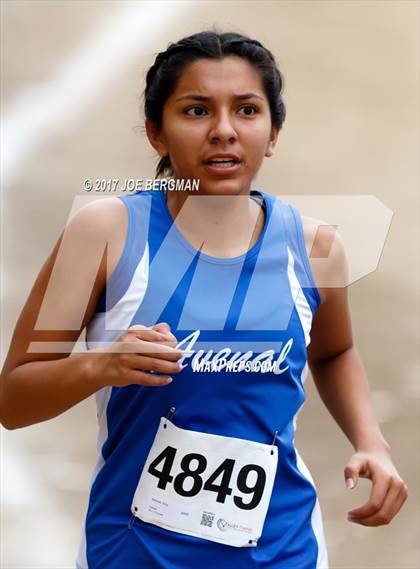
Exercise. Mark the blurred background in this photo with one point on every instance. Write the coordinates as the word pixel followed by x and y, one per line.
pixel 72 74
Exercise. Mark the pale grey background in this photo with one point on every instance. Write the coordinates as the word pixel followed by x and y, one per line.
pixel 352 78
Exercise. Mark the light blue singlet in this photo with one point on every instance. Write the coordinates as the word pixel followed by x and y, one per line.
pixel 236 308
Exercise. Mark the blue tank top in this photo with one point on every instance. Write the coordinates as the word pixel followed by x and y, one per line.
pixel 257 307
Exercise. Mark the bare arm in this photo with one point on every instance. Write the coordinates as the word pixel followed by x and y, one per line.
pixel 336 367
pixel 37 386
pixel 342 383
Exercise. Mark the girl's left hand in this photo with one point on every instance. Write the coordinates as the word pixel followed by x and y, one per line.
pixel 388 493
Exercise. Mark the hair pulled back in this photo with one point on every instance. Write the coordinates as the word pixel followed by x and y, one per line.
pixel 162 77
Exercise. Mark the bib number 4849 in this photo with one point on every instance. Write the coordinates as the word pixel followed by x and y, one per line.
pixel 193 467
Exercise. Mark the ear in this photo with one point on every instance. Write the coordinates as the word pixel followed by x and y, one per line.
pixel 272 142
pixel 155 138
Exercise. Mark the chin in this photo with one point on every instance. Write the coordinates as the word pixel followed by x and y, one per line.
pixel 223 188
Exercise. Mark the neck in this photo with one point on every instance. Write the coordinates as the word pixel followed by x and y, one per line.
pixel 222 226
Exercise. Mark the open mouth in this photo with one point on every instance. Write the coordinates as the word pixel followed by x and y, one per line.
pixel 221 163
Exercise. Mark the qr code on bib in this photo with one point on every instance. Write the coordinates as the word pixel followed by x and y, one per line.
pixel 207 519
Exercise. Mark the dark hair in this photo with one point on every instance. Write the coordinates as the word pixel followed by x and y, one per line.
pixel 162 77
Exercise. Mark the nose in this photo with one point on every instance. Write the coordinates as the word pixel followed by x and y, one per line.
pixel 222 128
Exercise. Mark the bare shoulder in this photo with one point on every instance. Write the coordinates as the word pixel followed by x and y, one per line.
pixel 101 215
pixel 327 255
pixel 76 270
pixel 101 221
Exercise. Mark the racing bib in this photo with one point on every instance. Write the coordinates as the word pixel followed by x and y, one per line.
pixel 209 486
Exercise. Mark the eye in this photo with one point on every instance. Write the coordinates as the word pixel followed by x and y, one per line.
pixel 194 114
pixel 249 110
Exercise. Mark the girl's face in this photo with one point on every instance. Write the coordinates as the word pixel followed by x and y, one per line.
pixel 218 111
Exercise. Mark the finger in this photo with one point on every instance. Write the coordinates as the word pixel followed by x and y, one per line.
pixel 162 327
pixel 160 335
pixel 133 361
pixel 169 338
pixel 135 377
pixel 352 470
pixel 377 496
pixel 391 506
pixel 150 343
pixel 153 350
pixel 398 502
pixel 148 335
pixel 172 342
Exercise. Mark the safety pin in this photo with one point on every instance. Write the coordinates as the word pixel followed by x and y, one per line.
pixel 274 440
pixel 169 415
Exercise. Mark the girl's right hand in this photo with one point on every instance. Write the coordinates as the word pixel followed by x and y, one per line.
pixel 134 356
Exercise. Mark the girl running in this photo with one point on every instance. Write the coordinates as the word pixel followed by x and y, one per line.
pixel 202 321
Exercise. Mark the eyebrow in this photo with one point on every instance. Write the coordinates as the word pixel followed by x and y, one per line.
pixel 239 97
